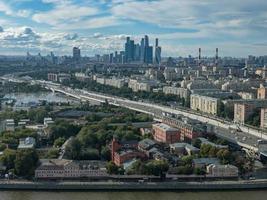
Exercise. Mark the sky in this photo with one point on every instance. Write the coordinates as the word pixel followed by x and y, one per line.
pixel 237 27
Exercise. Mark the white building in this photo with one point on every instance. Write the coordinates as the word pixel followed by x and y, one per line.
pixel 61 168
pixel 181 92
pixel 217 170
pixel 27 143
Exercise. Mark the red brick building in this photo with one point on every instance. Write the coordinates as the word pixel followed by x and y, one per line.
pixel 166 134
pixel 122 152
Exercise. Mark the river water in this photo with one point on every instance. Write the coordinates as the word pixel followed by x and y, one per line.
pixel 232 195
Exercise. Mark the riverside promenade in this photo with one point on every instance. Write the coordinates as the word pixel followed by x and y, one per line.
pixel 134 186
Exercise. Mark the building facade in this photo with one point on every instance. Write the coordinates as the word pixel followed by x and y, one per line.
pixel 204 104
pixel 165 134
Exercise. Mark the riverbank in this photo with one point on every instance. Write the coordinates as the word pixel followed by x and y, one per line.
pixel 130 186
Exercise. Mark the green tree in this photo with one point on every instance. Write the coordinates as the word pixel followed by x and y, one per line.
pixel 8 158
pixel 112 168
pixel 26 162
pixel 59 142
pixel 73 149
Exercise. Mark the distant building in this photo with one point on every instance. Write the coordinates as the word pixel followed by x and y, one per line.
pixel 52 77
pixel 166 134
pixel 157 52
pixel 76 54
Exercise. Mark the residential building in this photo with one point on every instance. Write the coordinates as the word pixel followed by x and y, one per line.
pixel 141 85
pixel 181 92
pixel 204 103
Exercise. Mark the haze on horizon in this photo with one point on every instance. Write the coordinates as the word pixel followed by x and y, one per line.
pixel 237 28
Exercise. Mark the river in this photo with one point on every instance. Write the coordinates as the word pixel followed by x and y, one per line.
pixel 229 195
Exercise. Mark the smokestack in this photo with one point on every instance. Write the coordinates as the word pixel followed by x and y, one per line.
pixel 199 56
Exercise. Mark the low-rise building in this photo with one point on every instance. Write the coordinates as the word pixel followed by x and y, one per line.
pixel 165 134
pixel 183 148
pixel 27 143
pixel 217 170
pixel 69 169
pixel 204 162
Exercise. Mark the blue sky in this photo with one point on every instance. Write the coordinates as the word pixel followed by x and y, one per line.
pixel 236 27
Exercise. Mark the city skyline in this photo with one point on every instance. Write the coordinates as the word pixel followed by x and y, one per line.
pixel 98 27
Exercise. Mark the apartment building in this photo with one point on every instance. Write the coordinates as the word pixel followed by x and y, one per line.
pixel 204 103
pixel 181 92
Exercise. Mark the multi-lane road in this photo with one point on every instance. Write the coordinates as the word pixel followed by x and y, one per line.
pixel 240 134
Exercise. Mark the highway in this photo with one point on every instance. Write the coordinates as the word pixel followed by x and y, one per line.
pixel 245 137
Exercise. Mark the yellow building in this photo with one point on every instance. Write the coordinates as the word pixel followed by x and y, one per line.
pixel 204 104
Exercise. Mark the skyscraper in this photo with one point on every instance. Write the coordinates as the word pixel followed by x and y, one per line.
pixel 142 50
pixel 148 57
pixel 157 52
pixel 129 50
pixel 76 54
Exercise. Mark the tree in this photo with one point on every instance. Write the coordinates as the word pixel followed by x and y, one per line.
pixel 52 154
pixel 73 149
pixel 105 153
pixel 112 168
pixel 26 162
pixel 156 168
pixel 8 158
pixel 59 142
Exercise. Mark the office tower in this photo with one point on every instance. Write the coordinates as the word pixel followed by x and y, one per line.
pixel 137 50
pixel 148 57
pixel 76 54
pixel 115 60
pixel 146 41
pixel 142 50
pixel 157 52
pixel 111 58
pixel 217 57
pixel 129 50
